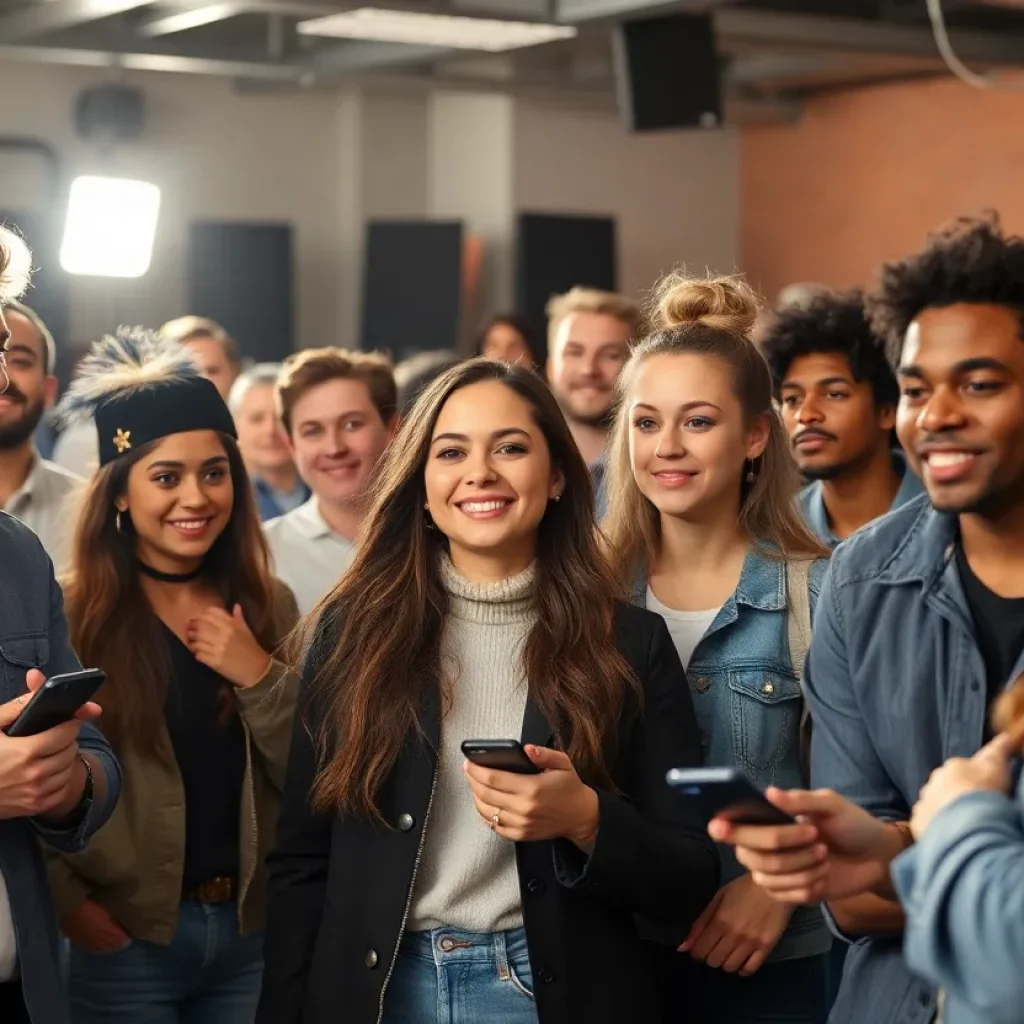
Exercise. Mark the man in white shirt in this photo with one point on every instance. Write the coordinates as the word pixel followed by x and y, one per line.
pixel 338 409
pixel 39 493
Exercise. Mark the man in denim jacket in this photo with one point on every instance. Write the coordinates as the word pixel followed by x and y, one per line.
pixel 59 786
pixel 920 623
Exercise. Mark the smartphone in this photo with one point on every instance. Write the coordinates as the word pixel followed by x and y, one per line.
pixel 502 755
pixel 726 793
pixel 56 701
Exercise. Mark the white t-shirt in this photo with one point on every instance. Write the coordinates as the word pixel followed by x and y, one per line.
pixel 685 628
pixel 8 943
pixel 308 555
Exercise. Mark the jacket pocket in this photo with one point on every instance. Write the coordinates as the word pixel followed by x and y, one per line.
pixel 765 721
pixel 18 654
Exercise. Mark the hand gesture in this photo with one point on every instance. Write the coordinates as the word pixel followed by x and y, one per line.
pixel 43 774
pixel 738 928
pixel 836 850
pixel 225 643
pixel 556 804
pixel 90 927
pixel 988 769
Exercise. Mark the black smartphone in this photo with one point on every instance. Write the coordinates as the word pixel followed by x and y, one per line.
pixel 502 755
pixel 56 701
pixel 726 793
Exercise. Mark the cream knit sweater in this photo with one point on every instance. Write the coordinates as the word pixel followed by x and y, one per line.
pixel 467 877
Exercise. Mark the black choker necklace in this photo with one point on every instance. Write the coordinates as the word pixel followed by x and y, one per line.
pixel 168 577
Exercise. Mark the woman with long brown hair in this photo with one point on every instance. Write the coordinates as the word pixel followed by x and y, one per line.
pixel 171 595
pixel 703 527
pixel 411 886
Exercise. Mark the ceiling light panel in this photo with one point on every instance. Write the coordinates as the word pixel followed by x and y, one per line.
pixel 444 31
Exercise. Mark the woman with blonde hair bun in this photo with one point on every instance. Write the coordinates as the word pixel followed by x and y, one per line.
pixel 703 528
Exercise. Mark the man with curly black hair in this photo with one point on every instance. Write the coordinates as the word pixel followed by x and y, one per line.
pixel 838 397
pixel 919 626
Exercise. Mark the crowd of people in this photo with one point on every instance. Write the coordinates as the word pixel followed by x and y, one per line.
pixel 685 535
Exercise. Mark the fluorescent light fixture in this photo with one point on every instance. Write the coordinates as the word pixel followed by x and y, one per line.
pixel 110 227
pixel 445 31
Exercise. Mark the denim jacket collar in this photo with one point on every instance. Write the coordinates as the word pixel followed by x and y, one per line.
pixel 762 586
pixel 925 550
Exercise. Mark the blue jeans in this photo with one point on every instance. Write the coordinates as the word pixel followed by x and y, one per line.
pixel 451 977
pixel 209 974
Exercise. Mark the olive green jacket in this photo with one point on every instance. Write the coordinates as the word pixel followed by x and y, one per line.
pixel 133 867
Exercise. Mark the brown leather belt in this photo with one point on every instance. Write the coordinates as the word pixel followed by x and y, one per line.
pixel 214 890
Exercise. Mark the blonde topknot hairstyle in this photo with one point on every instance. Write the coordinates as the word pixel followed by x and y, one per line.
pixel 712 317
pixel 722 303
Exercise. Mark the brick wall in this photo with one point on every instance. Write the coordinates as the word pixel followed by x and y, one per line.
pixel 866 173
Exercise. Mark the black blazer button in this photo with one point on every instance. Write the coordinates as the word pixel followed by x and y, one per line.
pixel 536 886
pixel 371 959
pixel 545 976
pixel 406 822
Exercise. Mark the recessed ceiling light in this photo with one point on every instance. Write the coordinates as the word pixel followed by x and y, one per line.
pixel 442 30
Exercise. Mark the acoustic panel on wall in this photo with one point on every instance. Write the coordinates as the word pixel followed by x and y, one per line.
pixel 240 275
pixel 412 286
pixel 556 252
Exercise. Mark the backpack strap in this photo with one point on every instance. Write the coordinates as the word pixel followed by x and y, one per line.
pixel 798 587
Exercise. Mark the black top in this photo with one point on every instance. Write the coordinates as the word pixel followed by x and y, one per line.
pixel 998 626
pixel 209 746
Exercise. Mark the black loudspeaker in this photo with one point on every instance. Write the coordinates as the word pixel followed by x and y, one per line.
pixel 412 286
pixel 240 275
pixel 110 113
pixel 557 252
pixel 667 73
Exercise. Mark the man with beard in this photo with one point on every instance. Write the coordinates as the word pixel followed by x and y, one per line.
pixel 838 396
pixel 589 334
pixel 37 492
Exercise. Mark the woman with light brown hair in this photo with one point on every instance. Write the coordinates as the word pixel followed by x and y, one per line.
pixel 411 887
pixel 171 595
pixel 703 528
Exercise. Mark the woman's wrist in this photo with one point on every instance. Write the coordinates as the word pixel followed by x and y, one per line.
pixel 584 834
pixel 260 670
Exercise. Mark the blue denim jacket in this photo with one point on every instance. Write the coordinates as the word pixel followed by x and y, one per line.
pixel 34 634
pixel 895 683
pixel 812 500
pixel 962 887
pixel 748 702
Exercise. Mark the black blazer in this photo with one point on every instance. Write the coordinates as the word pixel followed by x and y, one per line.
pixel 340 887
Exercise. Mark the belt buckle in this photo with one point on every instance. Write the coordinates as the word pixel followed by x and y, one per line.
pixel 215 890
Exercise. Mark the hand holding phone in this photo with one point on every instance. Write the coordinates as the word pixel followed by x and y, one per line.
pixel 530 796
pixel 501 755
pixel 726 794
pixel 42 773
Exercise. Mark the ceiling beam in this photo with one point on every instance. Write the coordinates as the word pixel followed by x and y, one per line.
pixel 173 64
pixel 353 57
pixel 788 32
pixel 44 18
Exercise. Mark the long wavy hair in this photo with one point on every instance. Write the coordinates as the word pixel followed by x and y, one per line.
pixel 713 318
pixel 380 629
pixel 112 624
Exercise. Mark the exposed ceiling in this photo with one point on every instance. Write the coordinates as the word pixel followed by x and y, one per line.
pixel 774 51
